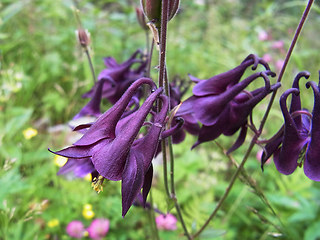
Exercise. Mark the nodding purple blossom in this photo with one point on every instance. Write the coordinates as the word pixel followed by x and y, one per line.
pixel 92 108
pixel 112 146
pixel 298 140
pixel 117 77
pixel 222 104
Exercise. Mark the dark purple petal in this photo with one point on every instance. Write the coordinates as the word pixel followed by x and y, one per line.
pixel 195 79
pixel 110 160
pixel 108 84
pixel 209 133
pixel 270 148
pixel 312 162
pixel 93 106
pixel 179 136
pixel 105 125
pixel 111 62
pixel 186 107
pixel 240 112
pixel 292 143
pixel 80 167
pixel 82 126
pixel 147 185
pixel 240 139
pixel 219 83
pixel 132 180
pixel 295 100
pixel 149 143
pixel 75 152
pixel 191 124
pixel 208 108
pixel 174 129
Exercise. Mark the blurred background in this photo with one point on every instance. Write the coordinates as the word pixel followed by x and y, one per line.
pixel 44 72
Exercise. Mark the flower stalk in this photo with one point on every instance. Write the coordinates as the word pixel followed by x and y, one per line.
pixel 163 82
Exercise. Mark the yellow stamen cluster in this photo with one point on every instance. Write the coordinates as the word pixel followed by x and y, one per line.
pixel 97 184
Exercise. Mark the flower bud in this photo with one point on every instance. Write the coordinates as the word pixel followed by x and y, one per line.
pixel 141 19
pixel 173 8
pixel 152 9
pixel 83 37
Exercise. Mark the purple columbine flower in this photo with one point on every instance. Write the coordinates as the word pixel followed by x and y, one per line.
pixel 98 228
pixel 92 108
pixel 75 229
pixel 293 125
pixel 118 77
pixel 221 103
pixel 138 171
pixel 312 163
pixel 300 133
pixel 111 144
pixel 294 138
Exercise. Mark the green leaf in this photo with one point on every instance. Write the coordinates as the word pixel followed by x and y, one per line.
pixel 12 10
pixel 313 232
pixel 212 233
pixel 18 118
pixel 170 203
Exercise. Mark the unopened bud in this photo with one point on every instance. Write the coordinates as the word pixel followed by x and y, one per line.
pixel 173 8
pixel 152 9
pixel 83 37
pixel 141 18
pixel 97 184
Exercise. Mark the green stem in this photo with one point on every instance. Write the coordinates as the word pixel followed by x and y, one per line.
pixel 163 82
pixel 153 219
pixel 150 58
pixel 91 65
pixel 165 167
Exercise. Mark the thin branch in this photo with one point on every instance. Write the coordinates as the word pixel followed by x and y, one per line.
pixel 91 65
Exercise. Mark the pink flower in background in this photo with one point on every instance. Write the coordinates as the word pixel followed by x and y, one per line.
pixel 278 45
pixel 98 228
pixel 267 57
pixel 263 36
pixel 75 229
pixel 166 222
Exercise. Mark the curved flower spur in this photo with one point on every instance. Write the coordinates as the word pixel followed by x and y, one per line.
pixel 118 77
pixel 221 103
pixel 301 122
pixel 112 146
pixel 301 132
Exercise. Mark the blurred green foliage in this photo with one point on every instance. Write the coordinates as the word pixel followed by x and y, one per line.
pixel 44 72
